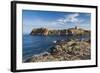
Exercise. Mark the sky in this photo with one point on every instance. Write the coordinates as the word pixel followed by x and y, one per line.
pixel 54 20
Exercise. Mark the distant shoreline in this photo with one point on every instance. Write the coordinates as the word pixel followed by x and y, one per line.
pixel 70 31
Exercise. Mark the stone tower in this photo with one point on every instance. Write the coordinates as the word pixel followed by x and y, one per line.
pixel 76 27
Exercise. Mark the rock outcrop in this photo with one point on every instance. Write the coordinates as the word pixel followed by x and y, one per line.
pixel 39 31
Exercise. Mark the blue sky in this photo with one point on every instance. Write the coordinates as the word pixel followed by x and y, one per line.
pixel 54 20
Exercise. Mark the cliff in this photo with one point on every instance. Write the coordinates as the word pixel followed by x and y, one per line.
pixel 70 31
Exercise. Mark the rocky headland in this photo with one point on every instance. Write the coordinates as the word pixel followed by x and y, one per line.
pixel 70 31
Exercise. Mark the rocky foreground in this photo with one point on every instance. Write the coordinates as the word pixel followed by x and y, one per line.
pixel 65 51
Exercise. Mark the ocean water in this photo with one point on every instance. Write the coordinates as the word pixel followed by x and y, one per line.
pixel 34 45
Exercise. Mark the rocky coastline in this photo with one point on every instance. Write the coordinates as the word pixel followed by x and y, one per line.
pixel 65 51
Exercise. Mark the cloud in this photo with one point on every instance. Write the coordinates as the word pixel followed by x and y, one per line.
pixel 72 18
pixel 61 21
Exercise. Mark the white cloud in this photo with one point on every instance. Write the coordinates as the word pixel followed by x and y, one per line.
pixel 61 21
pixel 73 18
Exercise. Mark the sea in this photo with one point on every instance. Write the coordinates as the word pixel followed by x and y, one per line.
pixel 35 45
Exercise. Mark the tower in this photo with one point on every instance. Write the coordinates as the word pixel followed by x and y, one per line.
pixel 76 27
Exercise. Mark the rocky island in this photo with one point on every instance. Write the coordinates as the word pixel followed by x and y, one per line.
pixel 70 31
pixel 65 50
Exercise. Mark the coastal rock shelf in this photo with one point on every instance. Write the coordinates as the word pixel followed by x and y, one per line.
pixel 70 50
pixel 70 31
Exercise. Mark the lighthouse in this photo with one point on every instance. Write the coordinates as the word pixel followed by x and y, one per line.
pixel 76 27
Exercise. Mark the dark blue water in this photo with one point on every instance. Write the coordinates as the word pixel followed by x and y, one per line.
pixel 33 45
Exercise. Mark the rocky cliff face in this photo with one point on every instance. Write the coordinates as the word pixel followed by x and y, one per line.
pixel 70 31
pixel 39 31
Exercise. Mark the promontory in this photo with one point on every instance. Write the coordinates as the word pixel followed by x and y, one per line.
pixel 70 31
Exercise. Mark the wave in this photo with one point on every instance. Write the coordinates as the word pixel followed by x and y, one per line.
pixel 41 54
